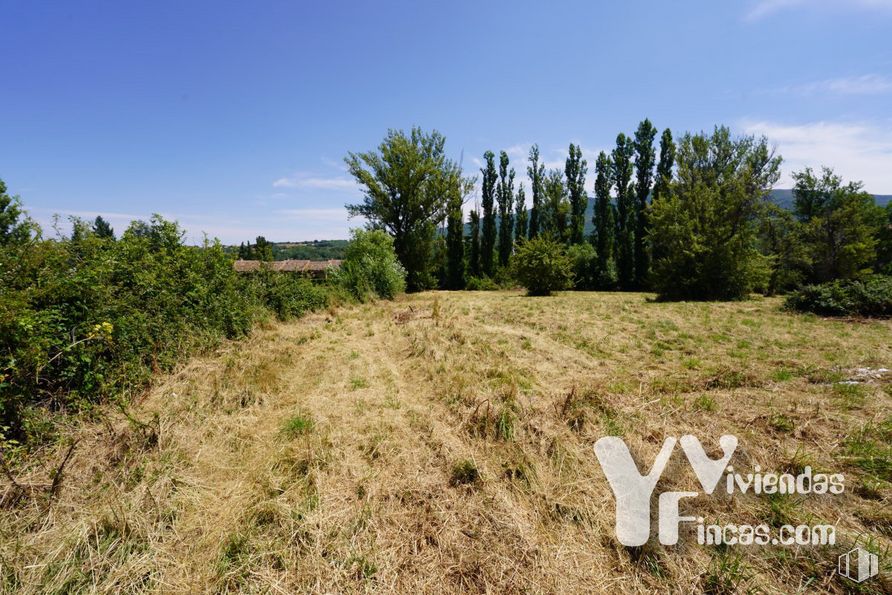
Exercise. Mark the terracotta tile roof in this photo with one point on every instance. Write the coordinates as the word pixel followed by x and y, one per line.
pixel 288 266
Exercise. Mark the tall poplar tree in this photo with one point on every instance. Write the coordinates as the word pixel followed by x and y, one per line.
pixel 625 209
pixel 644 175
pixel 457 189
pixel 474 249
pixel 505 194
pixel 555 207
pixel 605 222
pixel 575 170
pixel 536 173
pixel 662 189
pixel 488 235
pixel 521 216
pixel 664 167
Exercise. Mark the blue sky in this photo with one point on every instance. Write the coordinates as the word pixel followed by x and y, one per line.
pixel 234 117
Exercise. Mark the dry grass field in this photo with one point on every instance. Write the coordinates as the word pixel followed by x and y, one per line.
pixel 443 443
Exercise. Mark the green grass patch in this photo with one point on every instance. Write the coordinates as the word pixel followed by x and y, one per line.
pixel 298 425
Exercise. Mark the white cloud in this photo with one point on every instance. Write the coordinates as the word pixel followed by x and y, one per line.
pixel 855 150
pixel 764 8
pixel 316 183
pixel 867 84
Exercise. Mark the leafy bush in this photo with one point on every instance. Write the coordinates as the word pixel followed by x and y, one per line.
pixel 542 266
pixel 285 294
pixel 481 284
pixel 585 266
pixel 89 318
pixel 871 296
pixel 370 267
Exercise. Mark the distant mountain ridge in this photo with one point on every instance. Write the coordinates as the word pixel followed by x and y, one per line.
pixel 784 198
pixel 334 249
pixel 781 197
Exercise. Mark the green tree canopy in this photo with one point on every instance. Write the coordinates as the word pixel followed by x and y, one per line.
pixel 521 216
pixel 555 208
pixel 621 175
pixel 474 266
pixel 840 223
pixel 103 228
pixel 644 175
pixel 505 193
pixel 15 226
pixel 263 250
pixel 604 220
pixel 536 173
pixel 488 234
pixel 707 223
pixel 662 187
pixel 405 192
pixel 455 243
pixel 575 169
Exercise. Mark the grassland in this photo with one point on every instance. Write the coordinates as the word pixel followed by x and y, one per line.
pixel 443 442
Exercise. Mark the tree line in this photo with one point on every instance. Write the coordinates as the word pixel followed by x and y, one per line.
pixel 687 218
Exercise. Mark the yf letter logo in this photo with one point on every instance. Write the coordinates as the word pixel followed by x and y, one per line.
pixel 633 491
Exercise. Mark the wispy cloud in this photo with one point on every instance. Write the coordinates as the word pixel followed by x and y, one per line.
pixel 866 84
pixel 763 8
pixel 314 214
pixel 856 150
pixel 316 182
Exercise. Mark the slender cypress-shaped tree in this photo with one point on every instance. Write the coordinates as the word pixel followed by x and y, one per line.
pixel 664 167
pixel 263 250
pixel 521 216
pixel 604 222
pixel 474 249
pixel 662 187
pixel 455 245
pixel 103 229
pixel 505 194
pixel 555 207
pixel 575 170
pixel 625 207
pixel 488 235
pixel 644 175
pixel 536 173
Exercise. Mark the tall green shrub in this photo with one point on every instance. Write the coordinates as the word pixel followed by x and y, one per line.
pixel 370 267
pixel 542 266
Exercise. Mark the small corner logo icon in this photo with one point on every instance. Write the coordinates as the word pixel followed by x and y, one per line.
pixel 858 565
